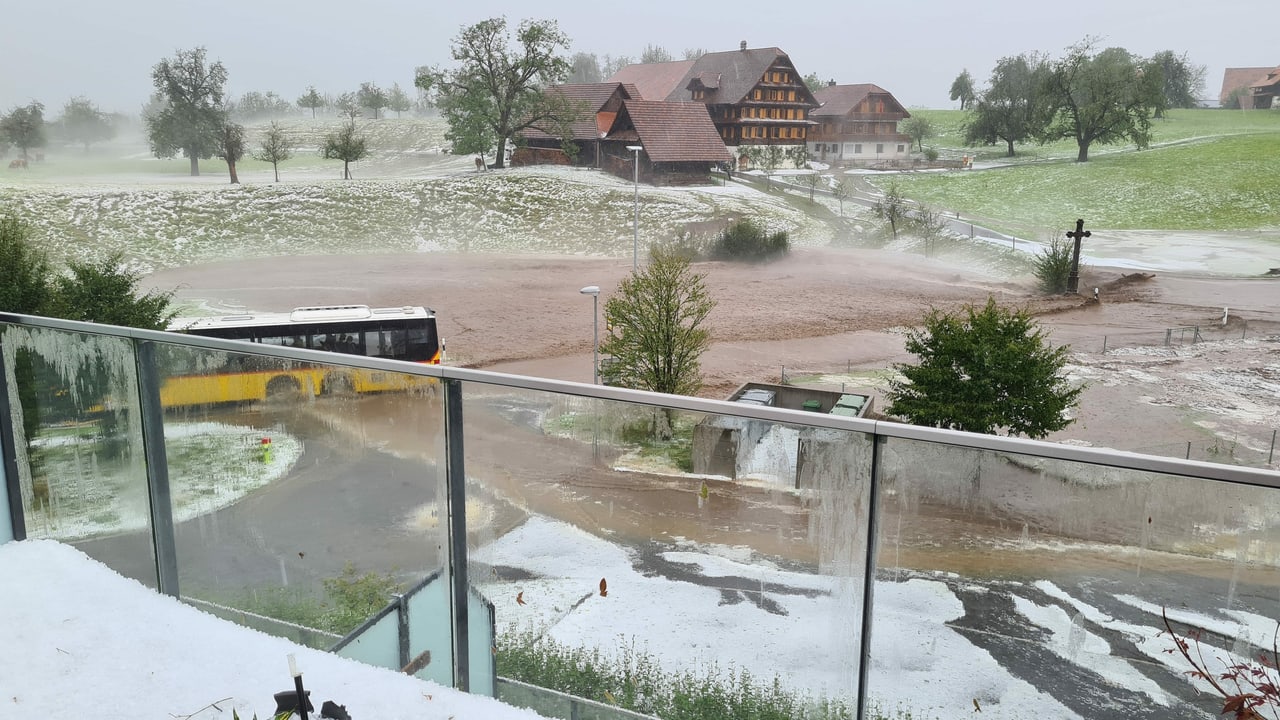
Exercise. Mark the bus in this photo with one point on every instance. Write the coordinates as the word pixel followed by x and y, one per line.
pixel 399 333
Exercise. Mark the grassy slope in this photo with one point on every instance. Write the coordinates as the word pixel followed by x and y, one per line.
pixel 1207 170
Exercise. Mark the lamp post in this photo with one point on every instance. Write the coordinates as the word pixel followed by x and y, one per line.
pixel 635 225
pixel 594 292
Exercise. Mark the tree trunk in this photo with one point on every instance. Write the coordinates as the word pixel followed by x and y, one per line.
pixel 195 164
pixel 313 112
pixel 276 166
pixel 346 170
pixel 231 168
pixel 1083 155
pixel 1010 148
pixel 502 153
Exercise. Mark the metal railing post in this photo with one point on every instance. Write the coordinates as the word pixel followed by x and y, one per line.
pixel 456 505
pixel 162 534
pixel 869 576
pixel 12 523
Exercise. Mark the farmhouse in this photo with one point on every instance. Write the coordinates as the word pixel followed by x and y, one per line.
pixel 754 96
pixel 680 144
pixel 1249 88
pixel 592 108
pixel 857 125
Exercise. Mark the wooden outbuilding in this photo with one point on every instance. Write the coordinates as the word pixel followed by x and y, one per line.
pixel 592 108
pixel 858 125
pixel 680 143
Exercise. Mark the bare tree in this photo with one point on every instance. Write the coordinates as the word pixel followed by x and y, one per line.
pixel 275 148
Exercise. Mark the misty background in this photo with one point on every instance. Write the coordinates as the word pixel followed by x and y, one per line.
pixel 58 49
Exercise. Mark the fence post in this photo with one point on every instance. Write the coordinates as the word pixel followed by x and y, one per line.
pixel 1244 330
pixel 1188 450
pixel 784 376
pixel 1272 453
pixel 1168 337
pixel 1104 344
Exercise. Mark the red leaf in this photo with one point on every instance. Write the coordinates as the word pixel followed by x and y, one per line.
pixel 604 588
pixel 520 598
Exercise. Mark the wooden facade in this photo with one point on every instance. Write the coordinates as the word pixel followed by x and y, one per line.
pixel 858 125
pixel 754 96
pixel 594 107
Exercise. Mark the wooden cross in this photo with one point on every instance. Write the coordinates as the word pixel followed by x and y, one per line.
pixel 1073 281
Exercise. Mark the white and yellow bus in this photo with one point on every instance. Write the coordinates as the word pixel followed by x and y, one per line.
pixel 399 333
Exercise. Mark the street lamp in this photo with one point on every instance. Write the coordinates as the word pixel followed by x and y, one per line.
pixel 594 292
pixel 635 225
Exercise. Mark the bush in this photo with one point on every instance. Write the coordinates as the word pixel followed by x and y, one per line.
pixel 1053 266
pixel 931 154
pixel 745 240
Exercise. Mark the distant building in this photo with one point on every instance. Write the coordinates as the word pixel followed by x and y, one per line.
pixel 1253 87
pixel 596 105
pixel 680 142
pixel 857 125
pixel 754 96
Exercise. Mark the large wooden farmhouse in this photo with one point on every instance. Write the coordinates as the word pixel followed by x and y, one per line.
pixel 1249 88
pixel 754 96
pixel 857 125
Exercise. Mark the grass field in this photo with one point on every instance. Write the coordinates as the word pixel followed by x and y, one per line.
pixel 1206 170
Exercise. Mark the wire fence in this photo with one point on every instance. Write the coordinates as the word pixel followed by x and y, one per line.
pixel 1236 329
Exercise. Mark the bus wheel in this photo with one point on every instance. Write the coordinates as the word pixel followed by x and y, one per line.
pixel 339 385
pixel 283 389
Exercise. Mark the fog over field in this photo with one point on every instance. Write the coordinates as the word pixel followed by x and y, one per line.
pixel 60 49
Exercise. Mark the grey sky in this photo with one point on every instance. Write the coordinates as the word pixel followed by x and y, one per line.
pixel 56 49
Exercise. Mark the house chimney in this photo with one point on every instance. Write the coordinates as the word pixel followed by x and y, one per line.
pixel 831 83
pixel 743 46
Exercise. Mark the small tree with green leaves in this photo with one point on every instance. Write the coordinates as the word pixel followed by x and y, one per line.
pixel 657 326
pixel 768 158
pixel 892 208
pixel 987 370
pixel 348 106
pixel 275 147
pixel 231 148
pixel 23 127
pixel 812 181
pixel 962 89
pixel 841 191
pixel 1053 266
pixel 24 270
pixel 372 97
pixel 312 100
pixel 83 122
pixel 398 100
pixel 918 128
pixel 106 291
pixel 348 145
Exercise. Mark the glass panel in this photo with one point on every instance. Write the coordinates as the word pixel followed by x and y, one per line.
pixel 78 432
pixel 306 493
pixel 633 554
pixel 1031 587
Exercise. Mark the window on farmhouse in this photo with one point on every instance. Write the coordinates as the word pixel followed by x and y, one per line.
pixel 857 149
pixel 901 147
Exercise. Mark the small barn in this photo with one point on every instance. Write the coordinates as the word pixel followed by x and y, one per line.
pixel 679 143
pixel 592 108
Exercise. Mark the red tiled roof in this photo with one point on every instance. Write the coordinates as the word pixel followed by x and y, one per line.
pixel 674 131
pixel 654 80
pixel 590 98
pixel 1235 78
pixel 840 100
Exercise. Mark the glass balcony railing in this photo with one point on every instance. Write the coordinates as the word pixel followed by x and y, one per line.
pixel 599 552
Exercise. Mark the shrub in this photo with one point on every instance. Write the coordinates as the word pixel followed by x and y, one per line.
pixel 931 154
pixel 745 240
pixel 1053 266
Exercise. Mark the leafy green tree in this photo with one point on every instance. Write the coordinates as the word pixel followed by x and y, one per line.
pixel 192 118
pixel 107 292
pixel 231 148
pixel 657 326
pixel 768 158
pixel 398 100
pixel 24 270
pixel 275 147
pixel 371 96
pixel 918 128
pixel 986 370
pixel 694 53
pixel 655 54
pixel 1053 266
pixel 348 106
pixel 255 105
pixel 1015 106
pixel 892 208
pixel 962 89
pixel 23 127
pixel 497 85
pixel 1182 80
pixel 83 122
pixel 814 82
pixel 1105 97
pixel 348 145
pixel 841 192
pixel 584 68
pixel 311 99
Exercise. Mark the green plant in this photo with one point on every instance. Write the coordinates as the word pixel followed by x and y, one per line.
pixel 356 597
pixel 931 154
pixel 1053 266
pixel 746 240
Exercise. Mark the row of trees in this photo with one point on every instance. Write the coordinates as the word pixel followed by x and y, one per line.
pixel 1088 95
